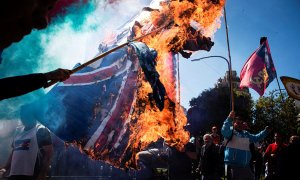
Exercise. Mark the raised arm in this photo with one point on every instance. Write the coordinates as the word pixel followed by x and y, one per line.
pixel 227 127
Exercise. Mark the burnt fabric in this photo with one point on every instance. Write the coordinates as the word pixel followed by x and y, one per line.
pixel 146 58
pixel 92 107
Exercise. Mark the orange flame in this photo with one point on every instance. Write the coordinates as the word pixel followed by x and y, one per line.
pixel 147 123
pixel 169 123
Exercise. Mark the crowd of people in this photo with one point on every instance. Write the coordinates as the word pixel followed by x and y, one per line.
pixel 239 155
pixel 235 154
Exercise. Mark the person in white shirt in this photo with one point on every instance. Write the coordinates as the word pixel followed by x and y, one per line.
pixel 32 150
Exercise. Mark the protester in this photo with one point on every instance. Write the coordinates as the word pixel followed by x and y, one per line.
pixel 272 155
pixel 154 156
pixel 258 164
pixel 209 163
pixel 237 152
pixel 216 137
pixel 196 144
pixel 32 150
pixel 288 168
pixel 177 163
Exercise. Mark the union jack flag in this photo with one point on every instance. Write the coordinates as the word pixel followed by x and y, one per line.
pixel 92 108
pixel 22 145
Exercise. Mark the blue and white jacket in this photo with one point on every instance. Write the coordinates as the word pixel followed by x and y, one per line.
pixel 237 151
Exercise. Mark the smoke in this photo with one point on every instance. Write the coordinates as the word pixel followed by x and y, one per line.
pixel 69 39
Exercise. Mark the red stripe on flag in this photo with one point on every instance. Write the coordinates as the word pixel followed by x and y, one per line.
pixel 118 116
pixel 93 76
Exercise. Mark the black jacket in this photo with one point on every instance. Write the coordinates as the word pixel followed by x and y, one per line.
pixel 19 85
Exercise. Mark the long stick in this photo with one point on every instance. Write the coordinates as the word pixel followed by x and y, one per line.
pixel 279 89
pixel 106 53
pixel 230 71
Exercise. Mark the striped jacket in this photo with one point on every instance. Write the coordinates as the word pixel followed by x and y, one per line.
pixel 237 151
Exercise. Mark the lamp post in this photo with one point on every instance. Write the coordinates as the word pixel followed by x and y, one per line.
pixel 206 57
pixel 229 78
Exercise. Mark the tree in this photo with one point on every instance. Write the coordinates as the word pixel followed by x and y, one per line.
pixel 277 113
pixel 212 107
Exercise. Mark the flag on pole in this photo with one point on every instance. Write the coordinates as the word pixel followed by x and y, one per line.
pixel 292 86
pixel 259 70
pixel 97 106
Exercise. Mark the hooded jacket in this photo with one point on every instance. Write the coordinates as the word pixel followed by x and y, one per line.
pixel 237 151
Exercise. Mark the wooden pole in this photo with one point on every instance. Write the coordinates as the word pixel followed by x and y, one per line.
pixel 230 64
pixel 279 89
pixel 106 53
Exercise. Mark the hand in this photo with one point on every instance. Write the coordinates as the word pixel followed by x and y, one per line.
pixel 231 115
pixel 2 172
pixel 58 75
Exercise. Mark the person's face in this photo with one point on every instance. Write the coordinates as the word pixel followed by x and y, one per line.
pixel 214 130
pixel 294 139
pixel 207 140
pixel 18 18
pixel 27 117
pixel 28 122
pixel 277 138
pixel 245 126
pixel 238 125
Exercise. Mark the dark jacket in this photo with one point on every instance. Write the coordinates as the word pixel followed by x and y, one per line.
pixel 19 85
pixel 209 160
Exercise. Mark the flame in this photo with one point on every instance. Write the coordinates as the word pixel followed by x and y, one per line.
pixel 145 121
pixel 169 123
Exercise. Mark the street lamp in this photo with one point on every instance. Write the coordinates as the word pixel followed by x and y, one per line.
pixel 229 78
pixel 198 59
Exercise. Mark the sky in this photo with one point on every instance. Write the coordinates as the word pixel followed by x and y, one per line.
pixel 66 42
pixel 247 21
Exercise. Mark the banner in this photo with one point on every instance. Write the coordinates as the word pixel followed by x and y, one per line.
pixel 292 86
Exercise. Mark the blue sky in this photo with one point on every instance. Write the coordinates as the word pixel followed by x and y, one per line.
pixel 247 21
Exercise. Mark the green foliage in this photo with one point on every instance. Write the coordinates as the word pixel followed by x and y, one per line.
pixel 278 112
pixel 213 106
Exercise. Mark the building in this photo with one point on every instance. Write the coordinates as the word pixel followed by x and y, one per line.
pixel 224 82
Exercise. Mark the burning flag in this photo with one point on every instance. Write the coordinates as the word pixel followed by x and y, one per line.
pixel 292 86
pixel 259 70
pixel 117 106
pixel 102 107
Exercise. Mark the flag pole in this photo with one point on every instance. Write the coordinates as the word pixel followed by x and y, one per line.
pixel 279 88
pixel 106 53
pixel 263 39
pixel 230 66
